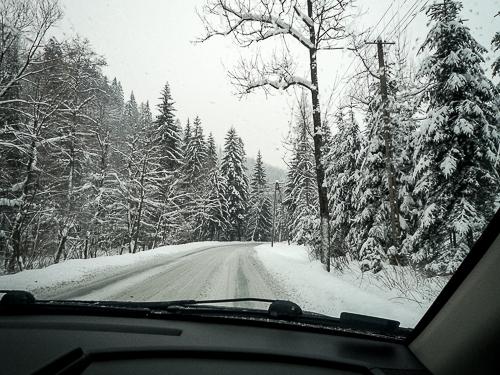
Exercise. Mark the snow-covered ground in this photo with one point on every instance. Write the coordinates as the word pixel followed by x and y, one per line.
pixel 57 279
pixel 394 293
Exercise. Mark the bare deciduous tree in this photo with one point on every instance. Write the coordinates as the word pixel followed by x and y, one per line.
pixel 23 26
pixel 314 25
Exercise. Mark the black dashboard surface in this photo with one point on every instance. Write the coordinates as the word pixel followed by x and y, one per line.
pixel 206 366
pixel 133 345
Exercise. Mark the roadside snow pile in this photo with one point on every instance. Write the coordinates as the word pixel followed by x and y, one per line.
pixel 59 278
pixel 393 293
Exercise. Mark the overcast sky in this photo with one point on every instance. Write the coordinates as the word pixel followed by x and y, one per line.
pixel 149 42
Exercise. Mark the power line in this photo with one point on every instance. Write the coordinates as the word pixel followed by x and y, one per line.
pixel 389 22
pixel 400 31
pixel 397 27
pixel 409 16
pixel 406 16
pixel 349 65
pixel 381 18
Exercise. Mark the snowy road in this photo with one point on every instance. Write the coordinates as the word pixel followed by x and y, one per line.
pixel 228 271
pixel 216 270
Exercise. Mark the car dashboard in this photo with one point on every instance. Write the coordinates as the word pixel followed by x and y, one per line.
pixel 84 344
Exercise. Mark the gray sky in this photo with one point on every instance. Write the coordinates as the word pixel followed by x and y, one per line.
pixel 149 42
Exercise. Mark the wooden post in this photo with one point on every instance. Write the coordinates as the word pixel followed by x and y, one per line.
pixel 276 187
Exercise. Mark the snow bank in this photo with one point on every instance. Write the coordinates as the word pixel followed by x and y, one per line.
pixel 314 289
pixel 59 278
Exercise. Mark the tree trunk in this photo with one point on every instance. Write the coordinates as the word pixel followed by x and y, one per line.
pixel 139 209
pixel 157 232
pixel 318 148
pixel 14 243
pixel 15 248
pixel 62 244
pixel 86 248
pixel 100 214
pixel 69 203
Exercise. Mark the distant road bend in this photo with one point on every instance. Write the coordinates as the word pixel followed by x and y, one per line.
pixel 223 271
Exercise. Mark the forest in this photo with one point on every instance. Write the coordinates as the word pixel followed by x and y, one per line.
pixel 404 171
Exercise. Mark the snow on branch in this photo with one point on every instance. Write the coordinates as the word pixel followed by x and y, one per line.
pixel 279 73
pixel 255 23
pixel 282 83
pixel 321 27
pixel 308 20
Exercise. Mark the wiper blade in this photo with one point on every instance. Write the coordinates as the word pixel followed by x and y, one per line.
pixel 192 302
pixel 279 310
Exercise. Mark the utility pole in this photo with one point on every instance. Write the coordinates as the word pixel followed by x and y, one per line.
pixel 393 193
pixel 282 215
pixel 276 188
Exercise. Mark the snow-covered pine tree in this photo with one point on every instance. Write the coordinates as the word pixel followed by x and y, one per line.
pixel 342 174
pixel 212 159
pixel 496 47
pixel 130 120
pixel 371 223
pixel 326 133
pixel 456 146
pixel 117 137
pixel 496 73
pixel 405 107
pixel 301 193
pixel 259 220
pixel 167 136
pixel 194 178
pixel 210 201
pixel 186 202
pixel 105 229
pixel 186 137
pixel 195 157
pixel 288 199
pixel 168 132
pixel 371 226
pixel 234 173
pixel 143 183
pixel 213 223
pixel 152 180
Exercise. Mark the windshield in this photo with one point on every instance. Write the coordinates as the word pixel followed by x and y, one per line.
pixel 340 154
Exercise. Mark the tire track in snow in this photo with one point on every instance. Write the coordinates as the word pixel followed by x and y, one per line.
pixel 227 271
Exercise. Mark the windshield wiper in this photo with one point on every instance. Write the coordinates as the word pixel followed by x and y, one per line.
pixel 278 310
